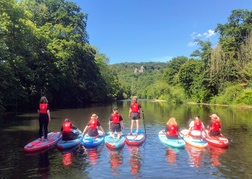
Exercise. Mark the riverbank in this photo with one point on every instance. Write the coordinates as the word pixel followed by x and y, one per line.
pixel 208 104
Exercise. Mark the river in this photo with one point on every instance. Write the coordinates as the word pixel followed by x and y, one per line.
pixel 150 160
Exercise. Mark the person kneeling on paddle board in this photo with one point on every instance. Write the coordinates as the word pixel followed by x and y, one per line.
pixel 214 126
pixel 172 128
pixel 67 130
pixel 115 123
pixel 196 127
pixel 93 126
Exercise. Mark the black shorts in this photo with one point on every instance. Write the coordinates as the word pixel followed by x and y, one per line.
pixel 135 116
pixel 69 136
pixel 93 132
pixel 116 127
pixel 214 133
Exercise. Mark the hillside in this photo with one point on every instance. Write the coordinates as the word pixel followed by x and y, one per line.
pixel 136 77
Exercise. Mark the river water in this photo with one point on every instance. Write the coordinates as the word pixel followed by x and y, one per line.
pixel 150 160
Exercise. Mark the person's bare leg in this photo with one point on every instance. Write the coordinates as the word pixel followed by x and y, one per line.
pixel 119 134
pixel 132 125
pixel 137 125
pixel 112 134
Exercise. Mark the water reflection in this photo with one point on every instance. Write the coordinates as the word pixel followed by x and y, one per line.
pixel 92 154
pixel 215 153
pixel 171 155
pixel 44 165
pixel 135 160
pixel 67 155
pixel 195 156
pixel 115 159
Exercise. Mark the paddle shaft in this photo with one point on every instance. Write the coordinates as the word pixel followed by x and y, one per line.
pixel 144 123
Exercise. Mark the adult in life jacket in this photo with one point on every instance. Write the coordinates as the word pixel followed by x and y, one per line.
pixel 68 130
pixel 93 126
pixel 172 128
pixel 214 126
pixel 44 117
pixel 134 113
pixel 115 123
pixel 196 127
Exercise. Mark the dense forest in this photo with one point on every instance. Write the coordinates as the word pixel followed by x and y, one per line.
pixel 45 50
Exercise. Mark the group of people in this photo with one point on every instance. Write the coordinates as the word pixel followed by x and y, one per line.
pixel 93 125
pixel 196 127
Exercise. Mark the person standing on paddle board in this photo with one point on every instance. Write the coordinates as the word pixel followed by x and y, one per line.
pixel 134 114
pixel 196 127
pixel 115 123
pixel 67 130
pixel 44 117
pixel 214 126
pixel 93 126
pixel 172 128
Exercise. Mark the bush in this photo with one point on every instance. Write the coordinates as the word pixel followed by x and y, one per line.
pixel 244 98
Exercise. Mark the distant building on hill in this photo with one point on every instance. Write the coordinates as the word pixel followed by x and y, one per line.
pixel 141 70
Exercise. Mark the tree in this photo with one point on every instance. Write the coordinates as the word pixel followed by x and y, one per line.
pixel 172 69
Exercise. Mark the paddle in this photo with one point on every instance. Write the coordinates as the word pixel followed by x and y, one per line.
pixel 144 123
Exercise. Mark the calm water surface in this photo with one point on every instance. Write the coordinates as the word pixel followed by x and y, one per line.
pixel 150 160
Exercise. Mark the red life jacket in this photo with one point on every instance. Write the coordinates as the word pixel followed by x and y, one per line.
pixel 134 107
pixel 216 125
pixel 67 127
pixel 172 130
pixel 93 123
pixel 43 108
pixel 197 126
pixel 115 118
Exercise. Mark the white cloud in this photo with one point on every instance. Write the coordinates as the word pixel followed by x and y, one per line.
pixel 205 35
pixel 209 33
pixel 191 44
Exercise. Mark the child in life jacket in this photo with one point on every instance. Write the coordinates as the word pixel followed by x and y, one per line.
pixel 214 126
pixel 196 127
pixel 172 128
pixel 67 130
pixel 115 123
pixel 93 126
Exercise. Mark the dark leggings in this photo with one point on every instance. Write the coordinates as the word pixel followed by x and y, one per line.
pixel 43 124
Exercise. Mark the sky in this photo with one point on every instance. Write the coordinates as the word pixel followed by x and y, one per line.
pixel 154 30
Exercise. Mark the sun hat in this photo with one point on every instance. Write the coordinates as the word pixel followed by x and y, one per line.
pixel 115 108
pixel 67 120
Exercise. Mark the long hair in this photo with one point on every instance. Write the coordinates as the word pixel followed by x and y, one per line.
pixel 43 99
pixel 171 121
pixel 134 99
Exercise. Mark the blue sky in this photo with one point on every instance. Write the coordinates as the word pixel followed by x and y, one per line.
pixel 154 30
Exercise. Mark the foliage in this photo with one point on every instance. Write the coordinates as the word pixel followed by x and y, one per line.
pixel 230 94
pixel 172 69
pixel 44 50
pixel 244 98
